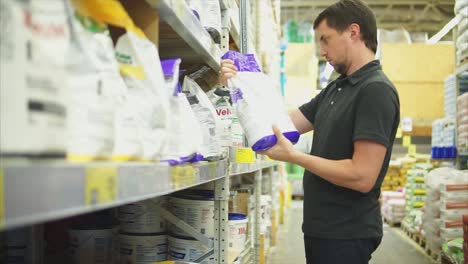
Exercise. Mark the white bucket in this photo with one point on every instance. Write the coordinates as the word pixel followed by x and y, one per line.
pixel 196 208
pixel 187 249
pixel 90 245
pixel 143 217
pixel 16 246
pixel 237 231
pixel 143 248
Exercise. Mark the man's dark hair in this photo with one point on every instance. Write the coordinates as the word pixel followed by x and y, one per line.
pixel 342 14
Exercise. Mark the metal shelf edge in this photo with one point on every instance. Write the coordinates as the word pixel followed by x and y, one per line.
pixel 186 25
pixel 36 193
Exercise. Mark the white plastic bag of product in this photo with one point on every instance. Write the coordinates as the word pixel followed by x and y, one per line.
pixel 146 106
pixel 209 12
pixel 95 88
pixel 232 133
pixel 257 104
pixel 207 117
pixel 141 122
pixel 185 136
pixel 35 39
pixel 223 108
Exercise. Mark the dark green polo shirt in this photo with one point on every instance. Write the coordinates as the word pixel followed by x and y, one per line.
pixel 364 105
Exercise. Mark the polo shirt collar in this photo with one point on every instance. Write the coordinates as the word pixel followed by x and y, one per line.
pixel 360 74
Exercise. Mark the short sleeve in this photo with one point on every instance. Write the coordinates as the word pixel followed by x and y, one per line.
pixel 309 110
pixel 377 111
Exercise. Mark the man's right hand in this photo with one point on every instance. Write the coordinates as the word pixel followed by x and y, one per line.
pixel 228 70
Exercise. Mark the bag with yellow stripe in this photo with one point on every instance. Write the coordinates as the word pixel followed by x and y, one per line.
pixel 141 122
pixel 95 89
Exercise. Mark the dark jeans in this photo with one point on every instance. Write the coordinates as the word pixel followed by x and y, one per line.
pixel 337 251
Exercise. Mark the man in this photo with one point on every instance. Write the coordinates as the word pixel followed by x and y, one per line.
pixel 355 119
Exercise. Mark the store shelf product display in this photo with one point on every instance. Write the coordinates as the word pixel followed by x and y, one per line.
pixel 393 206
pixel 462 124
pixel 197 44
pixel 446 203
pixel 116 128
pixel 394 177
pixel 415 194
pixel 443 144
pixel 461 9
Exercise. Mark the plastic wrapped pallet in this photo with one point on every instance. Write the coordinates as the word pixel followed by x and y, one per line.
pixel 462 121
pixel 257 104
pixel 393 206
pixel 393 179
pixel 415 194
pixel 446 202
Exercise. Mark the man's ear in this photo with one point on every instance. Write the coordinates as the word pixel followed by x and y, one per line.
pixel 355 31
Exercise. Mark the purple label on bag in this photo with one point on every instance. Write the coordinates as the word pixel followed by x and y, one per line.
pixel 170 66
pixel 236 95
pixel 243 62
pixel 271 140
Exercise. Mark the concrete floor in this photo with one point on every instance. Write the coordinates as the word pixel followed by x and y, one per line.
pixel 396 247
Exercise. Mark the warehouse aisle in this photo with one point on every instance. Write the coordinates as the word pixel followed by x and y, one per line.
pixel 290 243
pixel 396 248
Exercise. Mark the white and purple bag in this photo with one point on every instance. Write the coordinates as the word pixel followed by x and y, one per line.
pixel 185 136
pixel 257 104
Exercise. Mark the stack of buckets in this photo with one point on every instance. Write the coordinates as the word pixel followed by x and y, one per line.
pixel 143 233
pixel 196 208
pixel 144 237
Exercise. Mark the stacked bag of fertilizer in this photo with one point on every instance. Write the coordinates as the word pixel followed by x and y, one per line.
pixel 393 179
pixel 461 9
pixel 446 202
pixel 393 206
pixel 415 194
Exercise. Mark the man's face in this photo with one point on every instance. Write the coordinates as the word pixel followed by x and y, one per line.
pixel 333 46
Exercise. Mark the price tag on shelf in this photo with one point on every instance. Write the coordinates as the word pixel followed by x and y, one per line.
pixel 2 200
pixel 407 124
pixel 101 185
pixel 406 141
pixel 412 149
pixel 183 176
pixel 213 169
pixel 245 155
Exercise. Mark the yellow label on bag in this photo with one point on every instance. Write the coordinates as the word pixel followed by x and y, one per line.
pixel 108 11
pixel 101 185
pixel 406 141
pixel 2 200
pixel 135 71
pixel 245 155
pixel 412 149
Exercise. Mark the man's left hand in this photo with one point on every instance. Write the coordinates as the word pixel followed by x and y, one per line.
pixel 283 150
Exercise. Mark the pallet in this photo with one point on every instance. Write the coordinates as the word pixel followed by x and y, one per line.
pixel 298 197
pixel 391 223
pixel 419 239
pixel 415 236
pixel 435 256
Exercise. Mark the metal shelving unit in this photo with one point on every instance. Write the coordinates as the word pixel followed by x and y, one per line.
pixel 35 192
pixel 184 37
